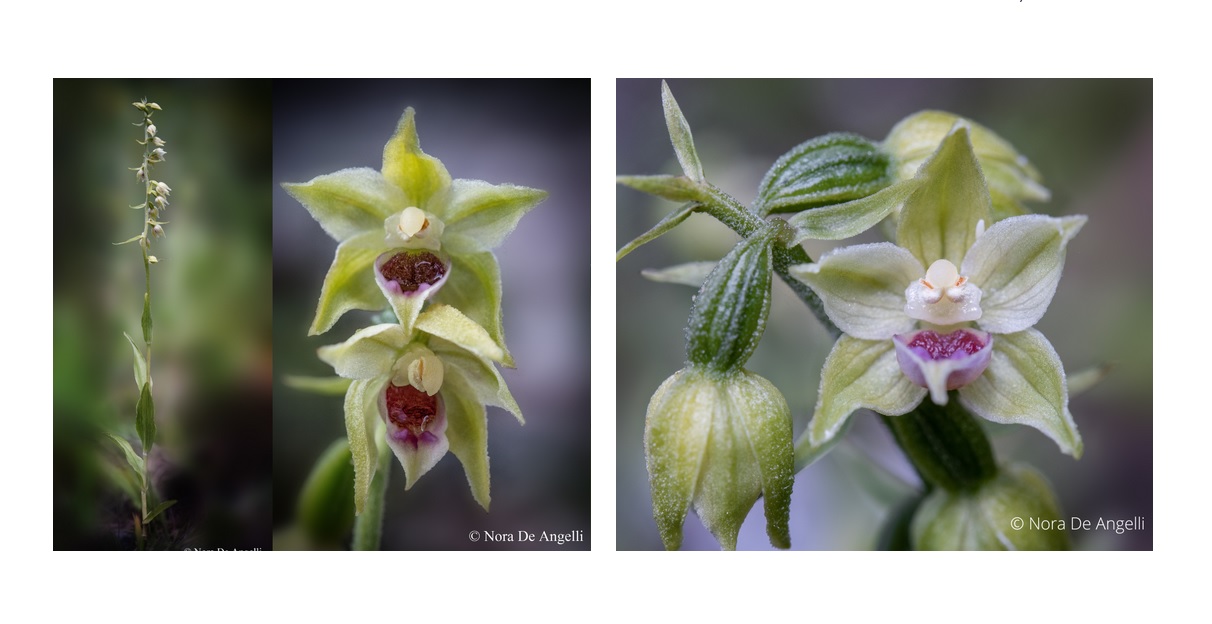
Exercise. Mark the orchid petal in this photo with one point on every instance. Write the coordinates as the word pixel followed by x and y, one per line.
pixel 370 352
pixel 349 284
pixel 349 201
pixel 863 288
pixel 483 214
pixel 1017 263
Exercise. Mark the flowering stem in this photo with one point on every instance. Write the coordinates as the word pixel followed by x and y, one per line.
pixel 945 444
pixel 368 528
pixel 730 212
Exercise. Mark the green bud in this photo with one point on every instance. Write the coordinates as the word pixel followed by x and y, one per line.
pixel 326 505
pixel 830 169
pixel 719 442
pixel 1015 511
pixel 730 308
pixel 1009 175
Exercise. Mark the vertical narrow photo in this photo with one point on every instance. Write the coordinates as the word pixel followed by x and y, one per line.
pixel 162 315
pixel 885 314
pixel 431 321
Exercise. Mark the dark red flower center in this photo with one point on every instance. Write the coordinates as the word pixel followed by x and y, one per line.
pixel 411 269
pixel 411 409
pixel 941 347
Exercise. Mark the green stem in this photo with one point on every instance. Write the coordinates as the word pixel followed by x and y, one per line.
pixel 144 245
pixel 945 444
pixel 730 212
pixel 368 528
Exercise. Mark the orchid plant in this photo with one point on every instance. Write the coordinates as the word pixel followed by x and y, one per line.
pixel 930 330
pixel 154 203
pixel 417 245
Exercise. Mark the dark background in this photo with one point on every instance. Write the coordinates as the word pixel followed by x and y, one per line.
pixel 532 133
pixel 1092 141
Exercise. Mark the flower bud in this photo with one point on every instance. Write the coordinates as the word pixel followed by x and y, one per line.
pixel 158 231
pixel 160 203
pixel 1010 176
pixel 163 190
pixel 1014 511
pixel 730 309
pixel 158 155
pixel 153 259
pixel 719 442
pixel 151 129
pixel 830 169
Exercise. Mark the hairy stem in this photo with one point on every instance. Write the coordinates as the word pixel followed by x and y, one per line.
pixel 368 528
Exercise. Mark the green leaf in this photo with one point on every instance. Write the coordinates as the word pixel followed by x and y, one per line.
pixel 450 324
pixel 689 274
pixel 939 220
pixel 851 218
pixel 327 386
pixel 862 288
pixel 140 363
pixel 467 431
pixel 679 134
pixel 370 352
pixel 146 321
pixel 145 418
pixel 420 176
pixel 483 214
pixel 159 509
pixel 860 374
pixel 132 458
pixel 326 503
pixel 361 418
pixel 474 287
pixel 730 309
pixel 1025 385
pixel 350 282
pixel 675 188
pixel 668 223
pixel 350 201
pixel 831 169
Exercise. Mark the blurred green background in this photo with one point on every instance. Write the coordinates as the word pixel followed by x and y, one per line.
pixel 1091 139
pixel 532 133
pixel 211 358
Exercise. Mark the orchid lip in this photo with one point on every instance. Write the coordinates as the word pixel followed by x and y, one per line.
pixel 942 362
pixel 411 273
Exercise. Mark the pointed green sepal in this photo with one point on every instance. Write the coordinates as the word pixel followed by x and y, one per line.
pixel 860 374
pixel 450 324
pixel 474 287
pixel 1025 385
pixel 350 281
pixel 361 419
pixel 421 177
pixel 939 220
pixel 479 375
pixel 480 215
pixel 350 201
pixel 467 432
